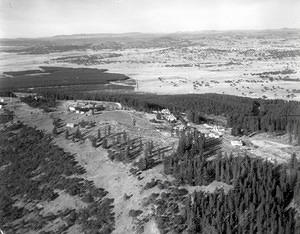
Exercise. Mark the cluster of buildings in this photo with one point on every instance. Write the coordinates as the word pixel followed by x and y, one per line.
pixel 166 115
pixel 180 125
pixel 214 131
pixel 86 108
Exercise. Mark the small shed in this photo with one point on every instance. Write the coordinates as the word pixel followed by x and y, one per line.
pixel 213 135
pixel 72 108
pixel 70 125
pixel 236 143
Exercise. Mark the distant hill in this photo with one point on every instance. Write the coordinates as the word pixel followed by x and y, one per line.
pixel 147 35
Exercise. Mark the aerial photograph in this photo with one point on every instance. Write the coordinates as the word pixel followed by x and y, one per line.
pixel 149 117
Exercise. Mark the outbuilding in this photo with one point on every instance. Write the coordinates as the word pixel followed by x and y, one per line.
pixel 213 135
pixel 70 125
pixel 72 108
pixel 236 143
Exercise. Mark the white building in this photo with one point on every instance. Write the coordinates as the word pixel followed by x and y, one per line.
pixel 236 143
pixel 171 118
pixel 213 135
pixel 72 108
pixel 165 112
pixel 70 125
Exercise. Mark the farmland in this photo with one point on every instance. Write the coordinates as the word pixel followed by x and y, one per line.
pixel 258 64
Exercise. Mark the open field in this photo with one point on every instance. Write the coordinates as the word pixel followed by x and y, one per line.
pixel 261 64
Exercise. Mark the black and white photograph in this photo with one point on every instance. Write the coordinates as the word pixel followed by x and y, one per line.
pixel 149 117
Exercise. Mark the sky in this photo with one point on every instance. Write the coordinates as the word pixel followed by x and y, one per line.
pixel 40 18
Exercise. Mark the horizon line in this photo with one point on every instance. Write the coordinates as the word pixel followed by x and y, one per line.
pixel 141 33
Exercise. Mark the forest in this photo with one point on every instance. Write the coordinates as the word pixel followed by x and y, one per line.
pixel 262 200
pixel 34 170
pixel 49 76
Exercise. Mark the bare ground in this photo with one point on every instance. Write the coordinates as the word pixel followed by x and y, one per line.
pixel 112 176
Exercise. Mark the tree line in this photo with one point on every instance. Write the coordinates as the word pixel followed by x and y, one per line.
pixel 244 115
pixel 262 200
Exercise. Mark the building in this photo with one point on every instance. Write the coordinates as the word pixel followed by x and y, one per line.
pixel 165 111
pixel 213 135
pixel 70 125
pixel 218 130
pixel 72 108
pixel 171 118
pixel 236 143
pixel 167 115
pixel 179 127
